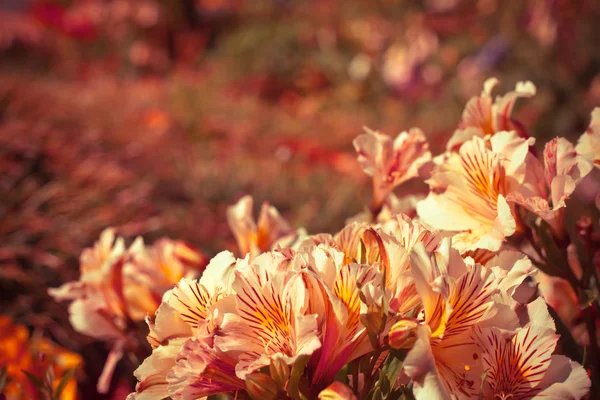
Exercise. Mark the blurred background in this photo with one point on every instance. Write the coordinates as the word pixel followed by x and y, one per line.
pixel 154 116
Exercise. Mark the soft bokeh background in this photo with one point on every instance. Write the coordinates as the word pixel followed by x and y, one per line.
pixel 154 116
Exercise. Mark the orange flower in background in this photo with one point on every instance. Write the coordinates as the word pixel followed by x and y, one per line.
pixel 255 237
pixel 20 352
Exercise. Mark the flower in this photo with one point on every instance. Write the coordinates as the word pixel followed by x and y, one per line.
pixel 483 116
pixel 456 298
pixel 21 352
pixel 563 170
pixel 468 191
pixel 269 320
pixel 189 310
pixel 120 286
pixel 588 144
pixel 201 370
pixel 521 365
pixel 409 232
pixel 337 285
pixel 391 162
pixel 254 238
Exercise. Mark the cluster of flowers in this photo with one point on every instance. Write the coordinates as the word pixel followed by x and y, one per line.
pixel 119 286
pixel 438 306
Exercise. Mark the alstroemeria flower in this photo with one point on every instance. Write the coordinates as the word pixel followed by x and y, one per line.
pixel 188 310
pixel 563 170
pixel 588 144
pixel 256 237
pixel 165 263
pixel 337 286
pixel 444 361
pixel 484 116
pixel 118 285
pixel 468 191
pixel 270 319
pixel 521 365
pixel 201 370
pixel 409 232
pixel 391 162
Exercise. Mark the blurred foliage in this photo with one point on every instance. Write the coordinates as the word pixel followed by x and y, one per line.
pixel 154 116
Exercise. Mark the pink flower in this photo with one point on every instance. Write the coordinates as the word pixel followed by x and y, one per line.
pixel 391 162
pixel 468 191
pixel 521 365
pixel 485 116
pixel 188 310
pixel 443 361
pixel 270 318
pixel 256 237
pixel 563 170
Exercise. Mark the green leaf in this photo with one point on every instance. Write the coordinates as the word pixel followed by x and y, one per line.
pixel 407 392
pixel 63 383
pixel 377 394
pixel 293 386
pixel 393 365
pixel 390 370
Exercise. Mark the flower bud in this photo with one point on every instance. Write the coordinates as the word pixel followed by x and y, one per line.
pixel 337 391
pixel 280 371
pixel 261 387
pixel 403 333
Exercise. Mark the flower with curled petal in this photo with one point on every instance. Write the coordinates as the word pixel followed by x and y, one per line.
pixel 256 237
pixel 201 370
pixel 391 162
pixel 269 320
pixel 188 310
pixel 468 191
pixel 588 144
pixel 409 232
pixel 563 170
pixel 520 364
pixel 336 286
pixel 444 360
pixel 484 116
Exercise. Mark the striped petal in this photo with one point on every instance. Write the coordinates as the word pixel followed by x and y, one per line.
pixel 269 319
pixel 391 163
pixel 515 365
pixel 467 196
pixel 201 371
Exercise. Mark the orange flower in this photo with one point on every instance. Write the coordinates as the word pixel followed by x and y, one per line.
pixel 20 352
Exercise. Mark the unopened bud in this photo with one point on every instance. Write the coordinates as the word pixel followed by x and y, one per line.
pixel 403 333
pixel 280 371
pixel 261 387
pixel 337 391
